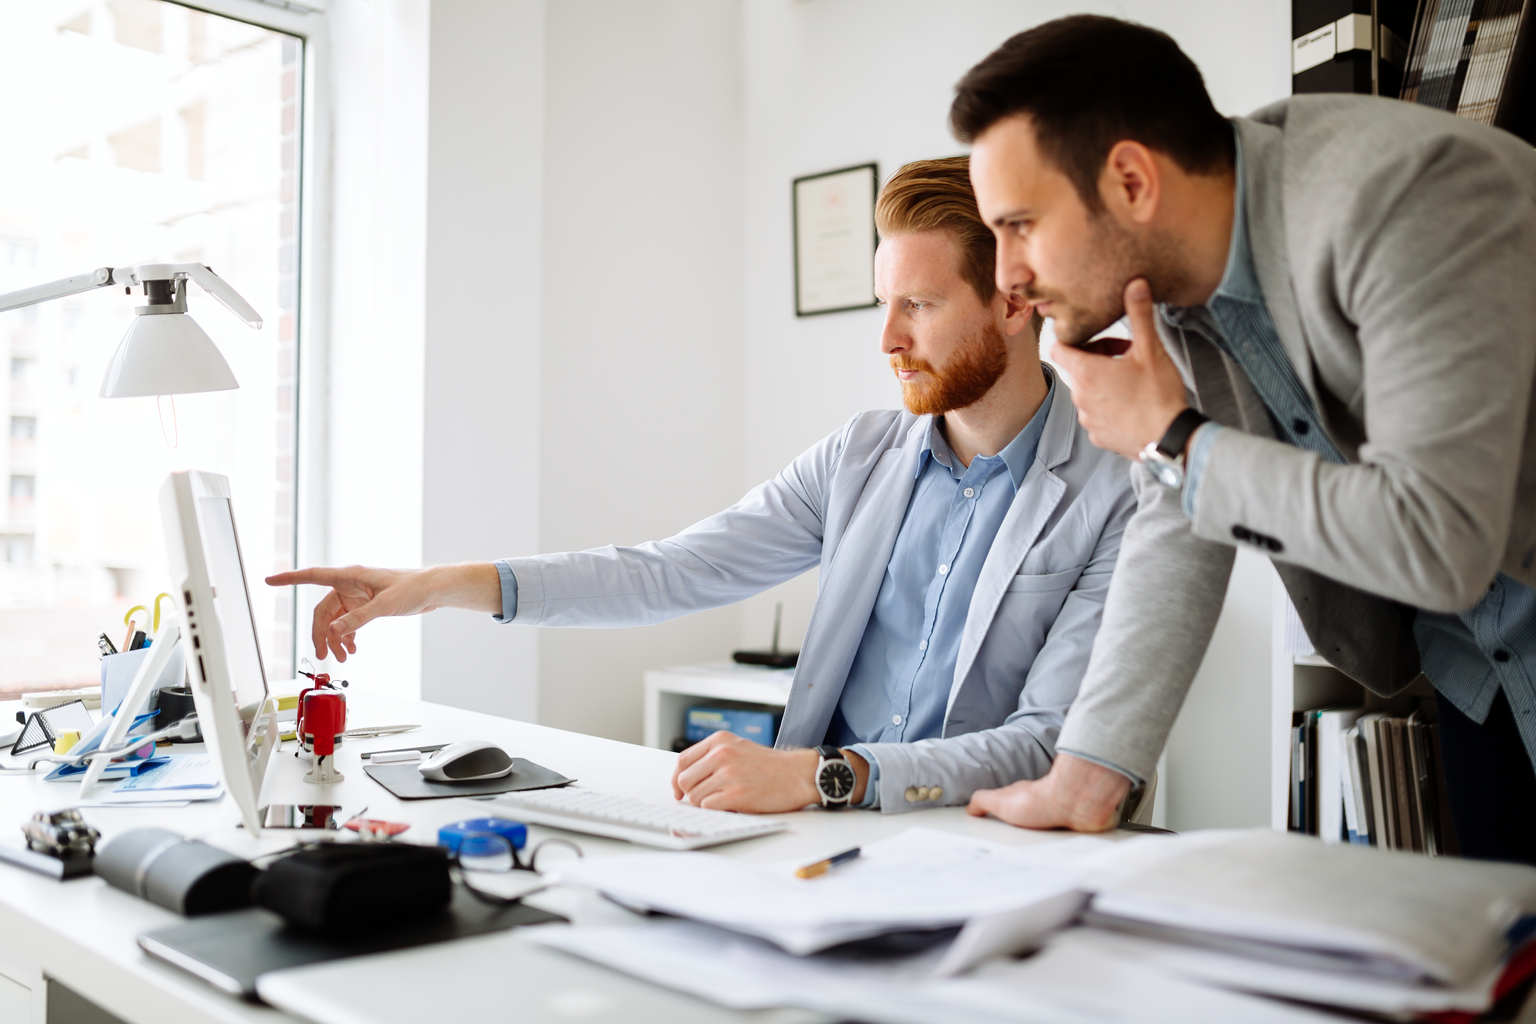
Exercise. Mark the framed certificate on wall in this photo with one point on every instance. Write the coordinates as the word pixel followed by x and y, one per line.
pixel 834 215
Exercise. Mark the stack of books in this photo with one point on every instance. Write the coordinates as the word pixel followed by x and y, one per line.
pixel 1371 779
pixel 1472 58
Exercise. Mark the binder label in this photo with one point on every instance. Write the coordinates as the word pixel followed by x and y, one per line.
pixel 1312 49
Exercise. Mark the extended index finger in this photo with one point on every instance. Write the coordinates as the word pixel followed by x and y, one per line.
pixel 320 576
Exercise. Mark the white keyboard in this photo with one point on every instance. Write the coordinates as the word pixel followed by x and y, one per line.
pixel 669 826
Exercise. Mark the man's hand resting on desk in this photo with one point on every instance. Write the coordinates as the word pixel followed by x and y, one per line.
pixel 1074 794
pixel 360 594
pixel 728 773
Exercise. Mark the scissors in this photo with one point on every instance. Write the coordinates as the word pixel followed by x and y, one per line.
pixel 133 624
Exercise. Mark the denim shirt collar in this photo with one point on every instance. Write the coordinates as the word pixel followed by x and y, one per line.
pixel 1239 282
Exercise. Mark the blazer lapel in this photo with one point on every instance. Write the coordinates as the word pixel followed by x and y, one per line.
pixel 1263 170
pixel 1032 507
pixel 850 583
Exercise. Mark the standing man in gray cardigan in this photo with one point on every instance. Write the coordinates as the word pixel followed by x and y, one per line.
pixel 1332 355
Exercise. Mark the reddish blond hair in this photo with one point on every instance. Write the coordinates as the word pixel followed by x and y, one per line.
pixel 936 195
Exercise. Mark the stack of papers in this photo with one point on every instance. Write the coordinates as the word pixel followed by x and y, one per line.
pixel 1284 914
pixel 1206 926
pixel 1064 984
pixel 920 879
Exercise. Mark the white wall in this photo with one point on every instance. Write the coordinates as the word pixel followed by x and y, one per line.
pixel 484 334
pixel 377 324
pixel 641 373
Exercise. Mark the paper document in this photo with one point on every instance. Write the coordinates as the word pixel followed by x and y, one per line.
pixel 922 878
pixel 1060 985
pixel 1361 910
pixel 183 771
pixel 1353 991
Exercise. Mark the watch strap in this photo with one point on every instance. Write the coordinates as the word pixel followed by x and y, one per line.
pixel 830 752
pixel 1177 436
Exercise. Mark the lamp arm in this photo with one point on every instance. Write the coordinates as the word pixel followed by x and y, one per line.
pixel 98 278
pixel 102 277
pixel 216 286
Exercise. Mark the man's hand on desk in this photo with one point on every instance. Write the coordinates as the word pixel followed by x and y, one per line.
pixel 728 773
pixel 360 594
pixel 1074 794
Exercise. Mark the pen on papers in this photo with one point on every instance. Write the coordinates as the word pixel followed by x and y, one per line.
pixel 821 867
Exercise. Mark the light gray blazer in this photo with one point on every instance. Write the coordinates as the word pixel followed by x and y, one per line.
pixel 1396 248
pixel 840 505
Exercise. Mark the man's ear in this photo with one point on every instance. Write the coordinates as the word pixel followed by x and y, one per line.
pixel 1131 184
pixel 1017 311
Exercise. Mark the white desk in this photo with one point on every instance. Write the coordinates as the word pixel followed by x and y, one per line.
pixel 81 932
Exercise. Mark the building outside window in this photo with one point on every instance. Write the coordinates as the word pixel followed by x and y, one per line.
pixel 150 132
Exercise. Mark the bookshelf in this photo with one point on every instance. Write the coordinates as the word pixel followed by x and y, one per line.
pixel 1300 682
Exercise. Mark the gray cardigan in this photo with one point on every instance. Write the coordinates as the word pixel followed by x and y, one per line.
pixel 1396 248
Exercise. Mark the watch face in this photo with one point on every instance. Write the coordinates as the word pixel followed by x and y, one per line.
pixel 836 780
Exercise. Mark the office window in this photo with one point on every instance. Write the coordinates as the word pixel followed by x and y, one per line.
pixel 150 132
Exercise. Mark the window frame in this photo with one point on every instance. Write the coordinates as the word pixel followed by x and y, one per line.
pixel 309 22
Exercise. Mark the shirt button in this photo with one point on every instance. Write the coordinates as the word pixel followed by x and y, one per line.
pixel 1500 655
pixel 943 570
pixel 922 645
pixel 1302 426
pixel 970 492
pixel 911 794
pixel 895 719
pixel 935 793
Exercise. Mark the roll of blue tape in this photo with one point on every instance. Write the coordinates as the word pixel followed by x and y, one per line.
pixel 452 836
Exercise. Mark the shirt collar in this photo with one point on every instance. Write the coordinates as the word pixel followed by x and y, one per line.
pixel 1239 282
pixel 1016 455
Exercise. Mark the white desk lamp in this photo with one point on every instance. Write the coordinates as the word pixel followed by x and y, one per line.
pixel 164 351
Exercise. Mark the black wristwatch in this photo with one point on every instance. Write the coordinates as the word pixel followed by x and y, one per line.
pixel 835 778
pixel 1165 458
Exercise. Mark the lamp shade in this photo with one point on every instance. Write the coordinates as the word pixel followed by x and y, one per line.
pixel 165 354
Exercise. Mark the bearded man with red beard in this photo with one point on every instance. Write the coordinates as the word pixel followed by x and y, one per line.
pixel 965 547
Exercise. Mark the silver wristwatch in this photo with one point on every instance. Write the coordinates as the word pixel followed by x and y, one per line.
pixel 835 778
pixel 1165 458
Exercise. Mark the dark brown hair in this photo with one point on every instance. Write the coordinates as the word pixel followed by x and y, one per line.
pixel 1087 82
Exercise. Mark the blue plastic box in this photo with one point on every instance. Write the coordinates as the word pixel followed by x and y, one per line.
pixel 757 726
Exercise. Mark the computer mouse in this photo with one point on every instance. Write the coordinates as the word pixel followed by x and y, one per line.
pixel 466 761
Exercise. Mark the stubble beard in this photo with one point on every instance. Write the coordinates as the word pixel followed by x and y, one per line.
pixel 963 381
pixel 1119 258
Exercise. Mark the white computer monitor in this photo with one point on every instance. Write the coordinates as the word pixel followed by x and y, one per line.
pixel 224 666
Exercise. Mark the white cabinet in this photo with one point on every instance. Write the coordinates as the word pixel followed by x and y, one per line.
pixel 670 692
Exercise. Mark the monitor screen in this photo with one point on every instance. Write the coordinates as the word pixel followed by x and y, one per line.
pixel 232 604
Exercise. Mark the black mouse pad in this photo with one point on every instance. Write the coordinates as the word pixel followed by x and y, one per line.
pixel 230 950
pixel 406 782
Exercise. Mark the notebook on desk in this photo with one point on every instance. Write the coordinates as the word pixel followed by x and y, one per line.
pixel 232 950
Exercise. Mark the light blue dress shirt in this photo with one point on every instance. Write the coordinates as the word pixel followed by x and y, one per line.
pixel 898 686
pixel 1467 657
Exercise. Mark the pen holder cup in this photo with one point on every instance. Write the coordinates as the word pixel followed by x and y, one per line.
pixel 118 670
